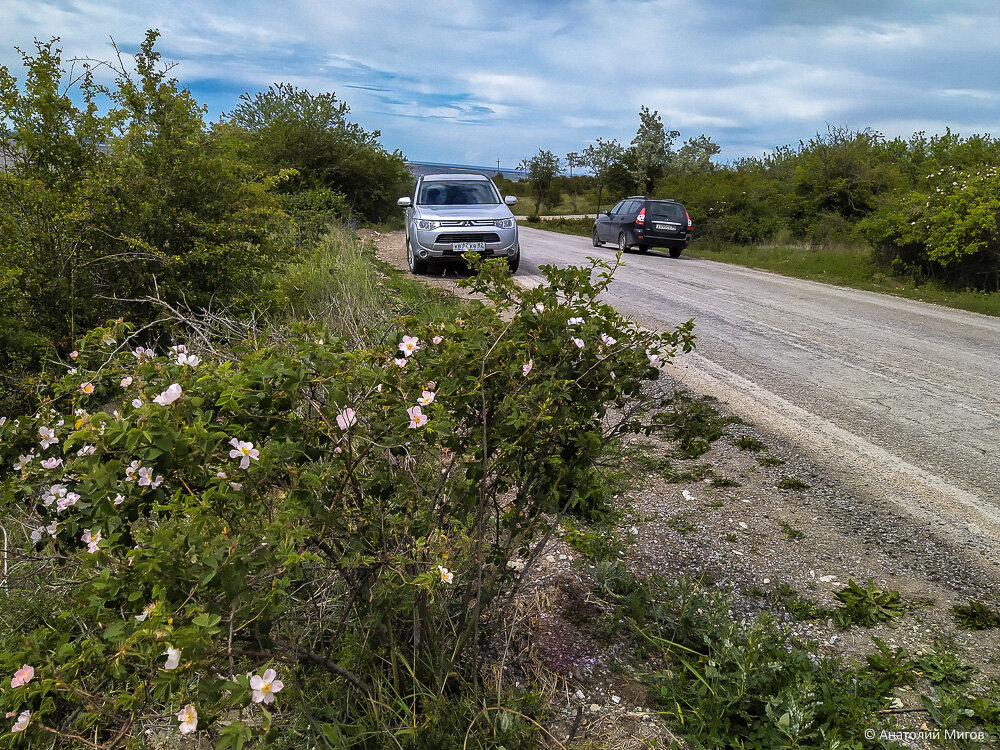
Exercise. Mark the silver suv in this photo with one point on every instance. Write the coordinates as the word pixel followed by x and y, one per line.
pixel 451 214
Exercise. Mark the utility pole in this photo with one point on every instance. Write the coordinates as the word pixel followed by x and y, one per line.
pixel 498 165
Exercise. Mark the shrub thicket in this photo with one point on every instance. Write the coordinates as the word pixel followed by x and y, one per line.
pixel 341 516
pixel 114 194
pixel 927 206
pixel 101 210
pixel 339 167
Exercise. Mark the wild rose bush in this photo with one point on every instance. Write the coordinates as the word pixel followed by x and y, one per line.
pixel 195 536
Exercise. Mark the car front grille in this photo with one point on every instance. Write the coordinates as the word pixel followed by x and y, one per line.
pixel 447 239
pixel 467 223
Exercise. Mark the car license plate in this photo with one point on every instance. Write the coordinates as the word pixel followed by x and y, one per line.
pixel 665 225
pixel 464 247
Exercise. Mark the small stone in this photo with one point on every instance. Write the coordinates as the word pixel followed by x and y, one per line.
pixel 615 699
pixel 550 558
pixel 579 694
pixel 594 708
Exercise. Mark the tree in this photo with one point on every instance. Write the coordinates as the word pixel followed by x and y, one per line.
pixel 573 159
pixel 602 158
pixel 841 172
pixel 696 155
pixel 543 167
pixel 290 128
pixel 651 149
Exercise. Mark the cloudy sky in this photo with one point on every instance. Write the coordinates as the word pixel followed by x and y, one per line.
pixel 471 81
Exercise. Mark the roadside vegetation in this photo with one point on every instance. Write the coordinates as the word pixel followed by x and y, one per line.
pixel 116 198
pixel 848 264
pixel 915 217
pixel 260 490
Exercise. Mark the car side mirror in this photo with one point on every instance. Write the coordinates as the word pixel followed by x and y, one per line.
pixel 510 200
pixel 606 213
pixel 405 202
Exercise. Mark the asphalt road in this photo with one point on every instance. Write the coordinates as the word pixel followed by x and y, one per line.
pixel 899 397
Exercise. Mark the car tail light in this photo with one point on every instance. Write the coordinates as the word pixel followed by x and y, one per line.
pixel 689 220
pixel 641 218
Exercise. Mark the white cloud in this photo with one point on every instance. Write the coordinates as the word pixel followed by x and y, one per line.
pixel 466 77
pixel 970 94
pixel 503 87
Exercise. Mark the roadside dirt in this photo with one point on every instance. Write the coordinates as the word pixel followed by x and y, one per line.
pixel 751 539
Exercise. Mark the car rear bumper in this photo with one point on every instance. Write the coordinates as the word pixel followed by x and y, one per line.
pixel 660 240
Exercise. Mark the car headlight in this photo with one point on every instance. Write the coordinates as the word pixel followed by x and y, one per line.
pixel 504 223
pixel 427 224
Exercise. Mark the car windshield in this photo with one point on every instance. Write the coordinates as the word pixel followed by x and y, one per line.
pixel 457 193
pixel 668 211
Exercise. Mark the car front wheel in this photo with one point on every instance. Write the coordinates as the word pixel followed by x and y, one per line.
pixel 514 261
pixel 597 242
pixel 416 266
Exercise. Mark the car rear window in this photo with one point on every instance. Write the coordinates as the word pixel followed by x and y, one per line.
pixel 664 210
pixel 457 193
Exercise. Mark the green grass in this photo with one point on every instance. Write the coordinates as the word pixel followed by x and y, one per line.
pixel 342 283
pixel 580 227
pixel 849 266
pixel 770 461
pixel 792 534
pixel 792 483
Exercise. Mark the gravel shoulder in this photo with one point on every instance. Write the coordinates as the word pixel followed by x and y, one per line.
pixel 755 536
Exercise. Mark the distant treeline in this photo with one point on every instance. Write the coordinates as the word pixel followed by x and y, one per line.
pixel 111 195
pixel 928 206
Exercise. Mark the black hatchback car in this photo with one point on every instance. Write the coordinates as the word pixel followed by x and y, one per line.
pixel 643 223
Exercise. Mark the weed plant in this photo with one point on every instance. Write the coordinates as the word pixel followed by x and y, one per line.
pixel 868 605
pixel 792 534
pixel 693 422
pixel 741 684
pixel 747 443
pixel 976 616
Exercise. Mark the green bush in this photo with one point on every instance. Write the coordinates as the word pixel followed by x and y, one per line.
pixel 315 208
pixel 340 516
pixel 287 130
pixel 102 210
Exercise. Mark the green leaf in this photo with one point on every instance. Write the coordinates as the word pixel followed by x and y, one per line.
pixel 206 620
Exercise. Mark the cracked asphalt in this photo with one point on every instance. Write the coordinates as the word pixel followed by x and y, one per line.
pixel 895 398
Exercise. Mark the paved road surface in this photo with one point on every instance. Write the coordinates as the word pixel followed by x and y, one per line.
pixel 901 397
